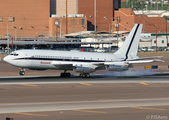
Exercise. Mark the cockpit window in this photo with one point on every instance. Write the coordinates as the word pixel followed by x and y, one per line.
pixel 15 54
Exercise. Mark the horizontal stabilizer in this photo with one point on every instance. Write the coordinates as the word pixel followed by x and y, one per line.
pixel 145 61
pixel 144 58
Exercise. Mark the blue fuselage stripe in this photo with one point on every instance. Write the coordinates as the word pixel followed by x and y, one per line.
pixel 53 59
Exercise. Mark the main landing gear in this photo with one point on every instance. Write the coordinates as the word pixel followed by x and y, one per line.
pixel 84 75
pixel 22 72
pixel 65 74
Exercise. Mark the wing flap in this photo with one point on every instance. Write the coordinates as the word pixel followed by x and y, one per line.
pixel 62 65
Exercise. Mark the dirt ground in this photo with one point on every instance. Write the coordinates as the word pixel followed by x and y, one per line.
pixel 9 70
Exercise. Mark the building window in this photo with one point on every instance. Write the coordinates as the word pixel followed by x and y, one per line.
pixel 83 21
pixel 1 19
pixel 64 21
pixel 73 21
pixel 154 41
pixel 162 41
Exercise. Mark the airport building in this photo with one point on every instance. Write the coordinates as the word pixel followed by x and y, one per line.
pixel 33 18
pixel 48 17
pixel 151 24
pixel 25 18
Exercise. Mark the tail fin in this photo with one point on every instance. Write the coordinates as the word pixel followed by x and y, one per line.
pixel 130 47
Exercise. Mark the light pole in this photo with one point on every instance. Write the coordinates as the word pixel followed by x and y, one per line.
pixel 15 38
pixel 7 39
pixel 60 30
pixel 109 31
pixel 156 36
pixel 117 28
pixel 56 23
pixel 95 14
pixel 66 17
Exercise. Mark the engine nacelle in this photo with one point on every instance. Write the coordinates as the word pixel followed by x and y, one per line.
pixel 117 67
pixel 83 69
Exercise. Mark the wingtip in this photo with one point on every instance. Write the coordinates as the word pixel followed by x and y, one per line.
pixel 158 60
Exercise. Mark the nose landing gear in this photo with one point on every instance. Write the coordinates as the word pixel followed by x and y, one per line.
pixel 22 72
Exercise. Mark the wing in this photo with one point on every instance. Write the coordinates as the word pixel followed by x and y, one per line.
pixel 93 66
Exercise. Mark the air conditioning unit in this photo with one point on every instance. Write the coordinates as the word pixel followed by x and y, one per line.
pixel 54 15
pixel 11 19
pixel 79 15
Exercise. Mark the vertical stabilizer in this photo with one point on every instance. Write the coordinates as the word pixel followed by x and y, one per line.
pixel 130 46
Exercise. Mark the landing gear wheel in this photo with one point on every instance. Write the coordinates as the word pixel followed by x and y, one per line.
pixel 84 75
pixel 87 75
pixel 65 75
pixel 22 72
pixel 68 74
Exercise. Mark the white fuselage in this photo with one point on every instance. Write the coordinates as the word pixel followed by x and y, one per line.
pixel 47 59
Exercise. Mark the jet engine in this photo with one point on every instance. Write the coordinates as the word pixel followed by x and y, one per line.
pixel 118 67
pixel 83 69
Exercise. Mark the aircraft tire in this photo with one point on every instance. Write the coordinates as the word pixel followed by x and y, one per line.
pixel 22 73
pixel 65 75
pixel 87 75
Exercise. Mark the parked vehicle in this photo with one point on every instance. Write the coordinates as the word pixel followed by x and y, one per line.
pixel 151 49
pixel 144 49
pixel 7 35
pixel 106 49
pixel 166 49
pixel 161 48
pixel 139 49
pixel 100 50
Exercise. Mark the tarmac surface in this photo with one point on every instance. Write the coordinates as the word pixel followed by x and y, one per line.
pixel 52 97
pixel 43 95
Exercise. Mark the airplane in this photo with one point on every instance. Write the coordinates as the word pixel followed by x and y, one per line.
pixel 81 62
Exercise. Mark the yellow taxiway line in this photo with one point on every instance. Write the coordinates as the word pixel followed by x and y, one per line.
pixel 85 84
pixel 88 111
pixel 144 83
pixel 29 85
pixel 31 114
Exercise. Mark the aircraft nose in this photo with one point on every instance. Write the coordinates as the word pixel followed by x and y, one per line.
pixel 6 58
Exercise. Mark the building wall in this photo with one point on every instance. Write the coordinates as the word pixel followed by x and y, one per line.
pixel 74 24
pixel 71 7
pixel 128 18
pixel 149 24
pixel 30 15
pixel 104 9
